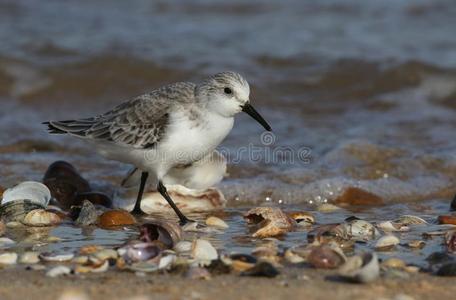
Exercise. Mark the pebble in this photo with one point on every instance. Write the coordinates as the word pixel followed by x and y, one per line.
pixel 216 222
pixel 58 271
pixel 88 214
pixel 8 258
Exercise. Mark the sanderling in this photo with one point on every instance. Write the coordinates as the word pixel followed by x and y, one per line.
pixel 172 126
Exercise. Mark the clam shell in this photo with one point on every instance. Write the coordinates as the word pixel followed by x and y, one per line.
pixel 203 250
pixel 216 222
pixel 272 221
pixel 41 217
pixel 167 233
pixel 56 257
pixel 33 191
pixel 15 211
pixel 361 268
pixel 386 242
pixel 360 230
pixel 8 258
pixel 326 257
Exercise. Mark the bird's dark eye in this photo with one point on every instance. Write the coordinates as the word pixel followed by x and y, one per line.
pixel 228 91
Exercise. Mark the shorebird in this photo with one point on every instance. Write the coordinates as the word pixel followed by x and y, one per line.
pixel 175 125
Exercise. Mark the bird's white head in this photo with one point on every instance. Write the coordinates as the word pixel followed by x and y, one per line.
pixel 224 93
pixel 227 93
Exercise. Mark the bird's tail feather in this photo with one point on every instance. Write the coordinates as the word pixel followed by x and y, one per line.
pixel 73 127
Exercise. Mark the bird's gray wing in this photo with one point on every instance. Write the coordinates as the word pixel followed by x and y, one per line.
pixel 139 123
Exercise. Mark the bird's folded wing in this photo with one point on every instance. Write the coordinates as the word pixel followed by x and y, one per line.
pixel 138 123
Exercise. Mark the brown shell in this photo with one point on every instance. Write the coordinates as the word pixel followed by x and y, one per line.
pixel 271 220
pixel 117 217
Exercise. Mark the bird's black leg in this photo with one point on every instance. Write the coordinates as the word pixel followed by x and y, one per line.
pixel 137 209
pixel 162 189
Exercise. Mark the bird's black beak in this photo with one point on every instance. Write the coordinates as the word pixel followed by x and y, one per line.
pixel 247 108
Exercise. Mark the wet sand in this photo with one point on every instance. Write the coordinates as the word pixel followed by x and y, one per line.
pixel 306 284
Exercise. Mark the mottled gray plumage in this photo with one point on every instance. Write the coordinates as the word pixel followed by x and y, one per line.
pixel 140 122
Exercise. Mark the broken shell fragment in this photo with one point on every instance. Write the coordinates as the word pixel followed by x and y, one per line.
pixel 8 258
pixel 302 218
pixel 167 233
pixel 361 268
pixel 216 222
pixel 271 220
pixel 41 217
pixel 386 242
pixel 326 257
pixel 203 250
pixel 115 218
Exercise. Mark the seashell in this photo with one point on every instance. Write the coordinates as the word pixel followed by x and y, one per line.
pixel 167 261
pixel 15 211
pixel 2 228
pixel 295 257
pixel 326 257
pixel 202 250
pixel 56 257
pixel 167 233
pixel 327 207
pixel 95 266
pixel 360 230
pixel 336 233
pixel 416 244
pixel 389 226
pixel 105 254
pixel 82 259
pixel 114 218
pixel 386 242
pixel 410 220
pixel 302 218
pixel 242 262
pixel 29 258
pixel 197 273
pixel 262 269
pixel 32 191
pixel 87 215
pixel 361 268
pixel 216 222
pixel 139 252
pixel 447 220
pixel 90 249
pixel 6 243
pixel 143 266
pixel 196 227
pixel 183 246
pixel 188 200
pixel 58 271
pixel 8 258
pixel 394 263
pixel 271 220
pixel 65 183
pixel 41 217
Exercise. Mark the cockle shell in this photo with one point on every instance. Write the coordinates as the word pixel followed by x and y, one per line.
pixel 271 220
pixel 41 217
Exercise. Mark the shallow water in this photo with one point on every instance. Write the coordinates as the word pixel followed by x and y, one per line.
pixel 359 93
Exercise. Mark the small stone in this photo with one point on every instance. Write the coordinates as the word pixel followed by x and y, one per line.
pixel 113 218
pixel 8 258
pixel 357 196
pixel 216 222
pixel 29 258
pixel 88 214
pixel 327 207
pixel 58 271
